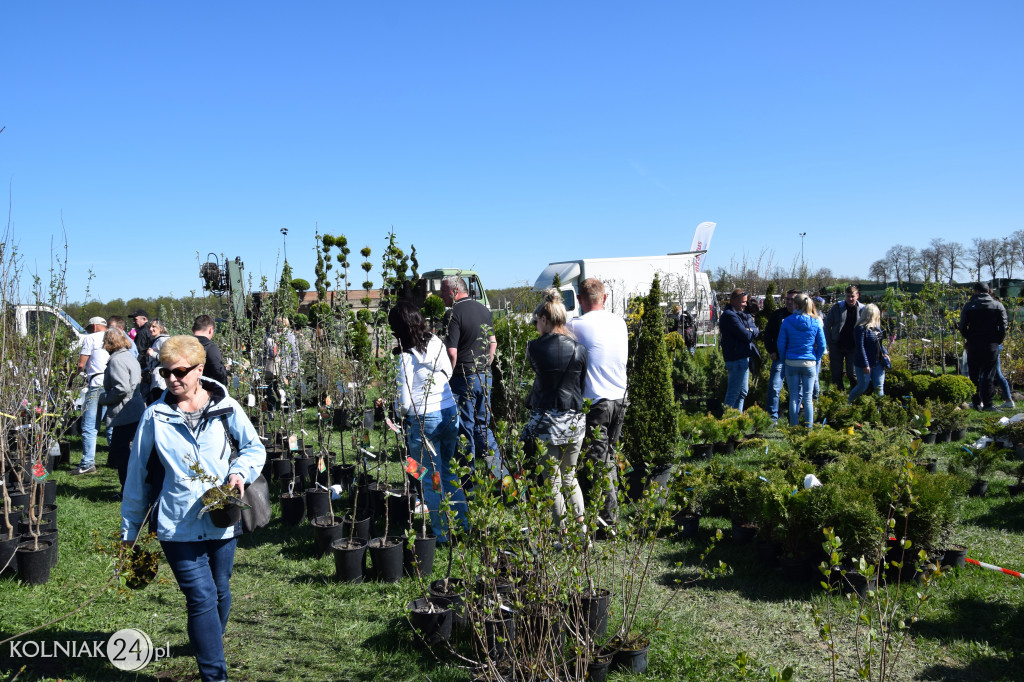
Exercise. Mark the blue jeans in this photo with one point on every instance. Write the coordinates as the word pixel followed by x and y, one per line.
pixel 441 428
pixel 800 383
pixel 736 389
pixel 817 380
pixel 92 413
pixel 473 395
pixel 203 571
pixel 1001 380
pixel 875 379
pixel 775 387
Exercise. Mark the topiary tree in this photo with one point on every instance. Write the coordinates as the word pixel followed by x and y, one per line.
pixel 649 432
pixel 952 388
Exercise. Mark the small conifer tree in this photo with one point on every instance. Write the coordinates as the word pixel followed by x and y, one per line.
pixel 649 432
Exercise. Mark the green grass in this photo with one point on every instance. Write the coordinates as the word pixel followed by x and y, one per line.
pixel 290 620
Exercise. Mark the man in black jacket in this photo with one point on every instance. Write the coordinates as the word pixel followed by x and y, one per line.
pixel 983 324
pixel 214 369
pixel 771 341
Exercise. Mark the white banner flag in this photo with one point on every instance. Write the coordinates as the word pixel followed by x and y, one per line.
pixel 701 241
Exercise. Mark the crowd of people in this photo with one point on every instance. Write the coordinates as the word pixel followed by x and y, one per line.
pixel 796 338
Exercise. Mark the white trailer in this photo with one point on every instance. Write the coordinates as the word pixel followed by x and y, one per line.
pixel 627 277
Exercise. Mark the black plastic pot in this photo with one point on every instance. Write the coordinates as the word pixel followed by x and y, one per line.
pixel 293 508
pixel 855 582
pixel 50 492
pixel 386 556
pixel 1015 489
pixel 959 434
pixel 226 517
pixel 65 451
pixel 452 594
pixel 431 621
pixel 305 467
pixel 318 503
pixel 349 560
pixel 658 480
pixel 421 555
pixel 796 568
pixel 743 532
pixel 34 562
pixel 362 523
pixel 943 436
pixel 8 556
pixel 978 489
pixel 44 526
pixel 932 466
pixel 955 556
pixel 632 660
pixel 52 538
pixel 688 524
pixel 19 499
pixel 326 529
pixel 500 633
pixel 598 667
pixel 49 512
pixel 726 448
pixel 928 438
pixel 281 467
pixel 594 612
pixel 14 518
pixel 378 494
pixel 399 510
pixel 702 450
pixel 344 474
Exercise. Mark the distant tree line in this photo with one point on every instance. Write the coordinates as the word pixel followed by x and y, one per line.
pixel 942 260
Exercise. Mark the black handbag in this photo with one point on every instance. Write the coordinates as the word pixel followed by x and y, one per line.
pixel 257 493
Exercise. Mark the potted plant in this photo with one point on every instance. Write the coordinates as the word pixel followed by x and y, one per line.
pixel 707 433
pixel 687 502
pixel 1017 471
pixel 980 462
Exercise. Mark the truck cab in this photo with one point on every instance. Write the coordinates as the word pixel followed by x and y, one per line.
pixel 473 284
pixel 36 318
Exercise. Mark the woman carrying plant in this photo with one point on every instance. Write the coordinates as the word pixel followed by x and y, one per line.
pixel 121 395
pixel 869 356
pixel 184 445
pixel 556 401
pixel 431 416
pixel 801 344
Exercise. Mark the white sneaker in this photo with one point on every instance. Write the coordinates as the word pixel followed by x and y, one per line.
pixel 1009 404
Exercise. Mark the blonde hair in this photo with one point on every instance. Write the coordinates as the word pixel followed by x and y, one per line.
pixel 185 348
pixel 552 309
pixel 804 304
pixel 869 316
pixel 159 324
pixel 114 339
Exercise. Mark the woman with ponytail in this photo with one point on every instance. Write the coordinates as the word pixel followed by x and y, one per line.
pixel 556 402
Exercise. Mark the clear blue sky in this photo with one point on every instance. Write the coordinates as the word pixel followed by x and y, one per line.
pixel 502 136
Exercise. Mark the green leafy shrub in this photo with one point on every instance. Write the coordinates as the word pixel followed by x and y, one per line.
pixel 920 386
pixel 935 510
pixel 649 431
pixel 897 382
pixel 952 388
pixel 760 421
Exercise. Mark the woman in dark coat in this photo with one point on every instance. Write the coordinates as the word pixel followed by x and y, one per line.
pixel 556 402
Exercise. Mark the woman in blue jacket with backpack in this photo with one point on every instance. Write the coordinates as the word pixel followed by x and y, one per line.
pixel 801 345
pixel 190 433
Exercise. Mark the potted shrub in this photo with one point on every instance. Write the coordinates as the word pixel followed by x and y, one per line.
pixel 687 502
pixel 759 420
pixel 707 432
pixel 979 462
pixel 1017 471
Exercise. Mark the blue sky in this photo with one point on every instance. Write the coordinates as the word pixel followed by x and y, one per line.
pixel 503 136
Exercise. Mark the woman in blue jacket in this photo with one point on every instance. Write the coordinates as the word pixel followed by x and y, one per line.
pixel 869 354
pixel 194 425
pixel 801 344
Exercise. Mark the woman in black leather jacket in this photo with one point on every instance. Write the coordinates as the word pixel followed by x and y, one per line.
pixel 556 402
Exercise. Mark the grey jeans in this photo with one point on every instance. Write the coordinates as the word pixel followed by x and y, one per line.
pixel 604 426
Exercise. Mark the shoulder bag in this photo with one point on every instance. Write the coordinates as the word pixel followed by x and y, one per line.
pixel 257 493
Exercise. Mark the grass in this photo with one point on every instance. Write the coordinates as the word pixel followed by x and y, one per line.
pixel 290 620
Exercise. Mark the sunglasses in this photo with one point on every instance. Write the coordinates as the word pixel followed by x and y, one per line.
pixel 178 372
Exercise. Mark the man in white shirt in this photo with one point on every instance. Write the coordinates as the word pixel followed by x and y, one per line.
pixel 92 363
pixel 607 341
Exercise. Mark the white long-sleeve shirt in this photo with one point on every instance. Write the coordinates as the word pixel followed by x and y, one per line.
pixel 423 380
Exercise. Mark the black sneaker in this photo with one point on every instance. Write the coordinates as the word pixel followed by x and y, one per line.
pixel 81 469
